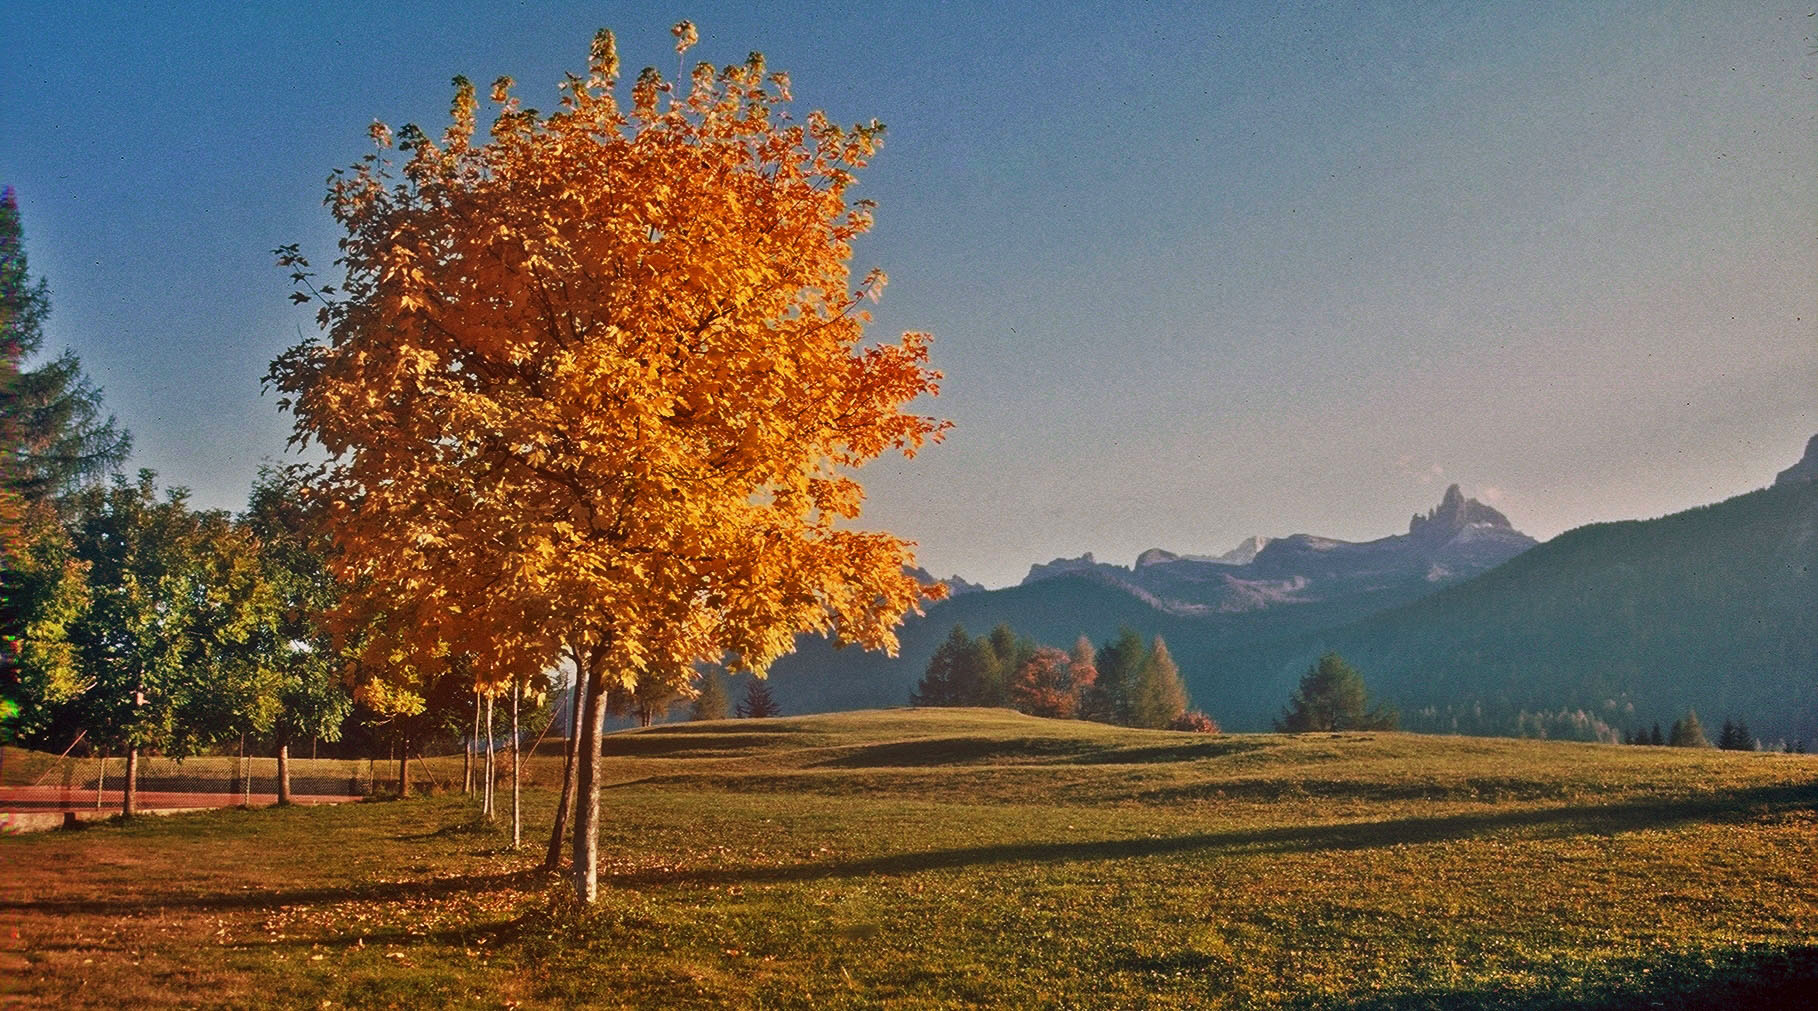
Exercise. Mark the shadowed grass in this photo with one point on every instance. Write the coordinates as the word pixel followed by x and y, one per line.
pixel 946 859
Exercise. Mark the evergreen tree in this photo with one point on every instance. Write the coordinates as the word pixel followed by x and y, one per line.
pixel 712 703
pixel 1655 737
pixel 1119 663
pixel 1332 696
pixel 941 681
pixel 55 438
pixel 52 441
pixel 1159 696
pixel 1688 732
pixel 1736 737
pixel 1008 652
pixel 758 704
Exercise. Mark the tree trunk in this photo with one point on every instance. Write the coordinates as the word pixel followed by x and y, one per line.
pixel 586 868
pixel 238 788
pixel 403 766
pixel 129 801
pixel 486 805
pixel 472 743
pixel 284 774
pixel 517 743
pixel 553 858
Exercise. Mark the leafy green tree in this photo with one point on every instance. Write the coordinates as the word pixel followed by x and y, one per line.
pixel 1159 696
pixel 712 703
pixel 758 703
pixel 293 544
pixel 1687 732
pixel 1332 696
pixel 166 645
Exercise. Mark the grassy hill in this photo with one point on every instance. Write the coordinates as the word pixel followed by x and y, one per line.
pixel 961 858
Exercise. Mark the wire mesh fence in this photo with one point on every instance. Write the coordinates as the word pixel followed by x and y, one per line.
pixel 36 781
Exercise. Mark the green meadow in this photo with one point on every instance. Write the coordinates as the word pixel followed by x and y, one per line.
pixel 969 858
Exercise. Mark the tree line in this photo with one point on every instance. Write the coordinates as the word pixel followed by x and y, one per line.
pixel 1123 681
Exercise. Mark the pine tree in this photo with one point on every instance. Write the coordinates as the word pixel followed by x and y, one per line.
pixel 1331 696
pixel 940 682
pixel 1119 662
pixel 712 702
pixel 758 704
pixel 1688 732
pixel 53 441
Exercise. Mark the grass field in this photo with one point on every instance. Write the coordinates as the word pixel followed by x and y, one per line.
pixel 957 859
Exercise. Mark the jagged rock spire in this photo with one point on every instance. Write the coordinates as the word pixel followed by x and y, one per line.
pixel 1454 513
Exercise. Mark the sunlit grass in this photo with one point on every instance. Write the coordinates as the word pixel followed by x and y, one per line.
pixel 963 859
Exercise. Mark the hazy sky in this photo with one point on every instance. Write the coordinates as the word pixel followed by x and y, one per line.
pixel 1195 271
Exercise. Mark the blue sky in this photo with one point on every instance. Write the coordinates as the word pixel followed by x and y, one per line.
pixel 1195 271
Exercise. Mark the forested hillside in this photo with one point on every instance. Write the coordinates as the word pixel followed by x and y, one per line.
pixel 1714 609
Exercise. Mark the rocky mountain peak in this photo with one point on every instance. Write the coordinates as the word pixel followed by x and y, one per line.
pixel 1454 513
pixel 1805 470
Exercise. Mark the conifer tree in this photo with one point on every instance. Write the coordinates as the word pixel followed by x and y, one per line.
pixel 711 703
pixel 1331 696
pixel 53 441
pixel 1119 662
pixel 1688 732
pixel 758 703
pixel 1159 696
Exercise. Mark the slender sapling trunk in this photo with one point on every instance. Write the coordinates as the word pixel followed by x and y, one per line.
pixel 517 817
pixel 586 868
pixel 552 859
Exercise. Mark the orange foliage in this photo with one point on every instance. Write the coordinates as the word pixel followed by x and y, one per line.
pixel 599 381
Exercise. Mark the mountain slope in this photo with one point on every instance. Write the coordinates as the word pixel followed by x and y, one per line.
pixel 1231 627
pixel 1715 608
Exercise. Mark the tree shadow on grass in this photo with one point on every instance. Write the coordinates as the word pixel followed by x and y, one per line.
pixel 1552 822
pixel 1766 978
pixel 373 891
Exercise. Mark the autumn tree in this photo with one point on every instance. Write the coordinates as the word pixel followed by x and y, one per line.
pixel 1331 696
pixel 711 702
pixel 1159 696
pixel 599 384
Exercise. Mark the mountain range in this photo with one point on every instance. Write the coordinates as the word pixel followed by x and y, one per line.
pixel 1462 622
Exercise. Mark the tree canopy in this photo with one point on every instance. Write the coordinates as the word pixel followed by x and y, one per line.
pixel 1332 696
pixel 599 382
